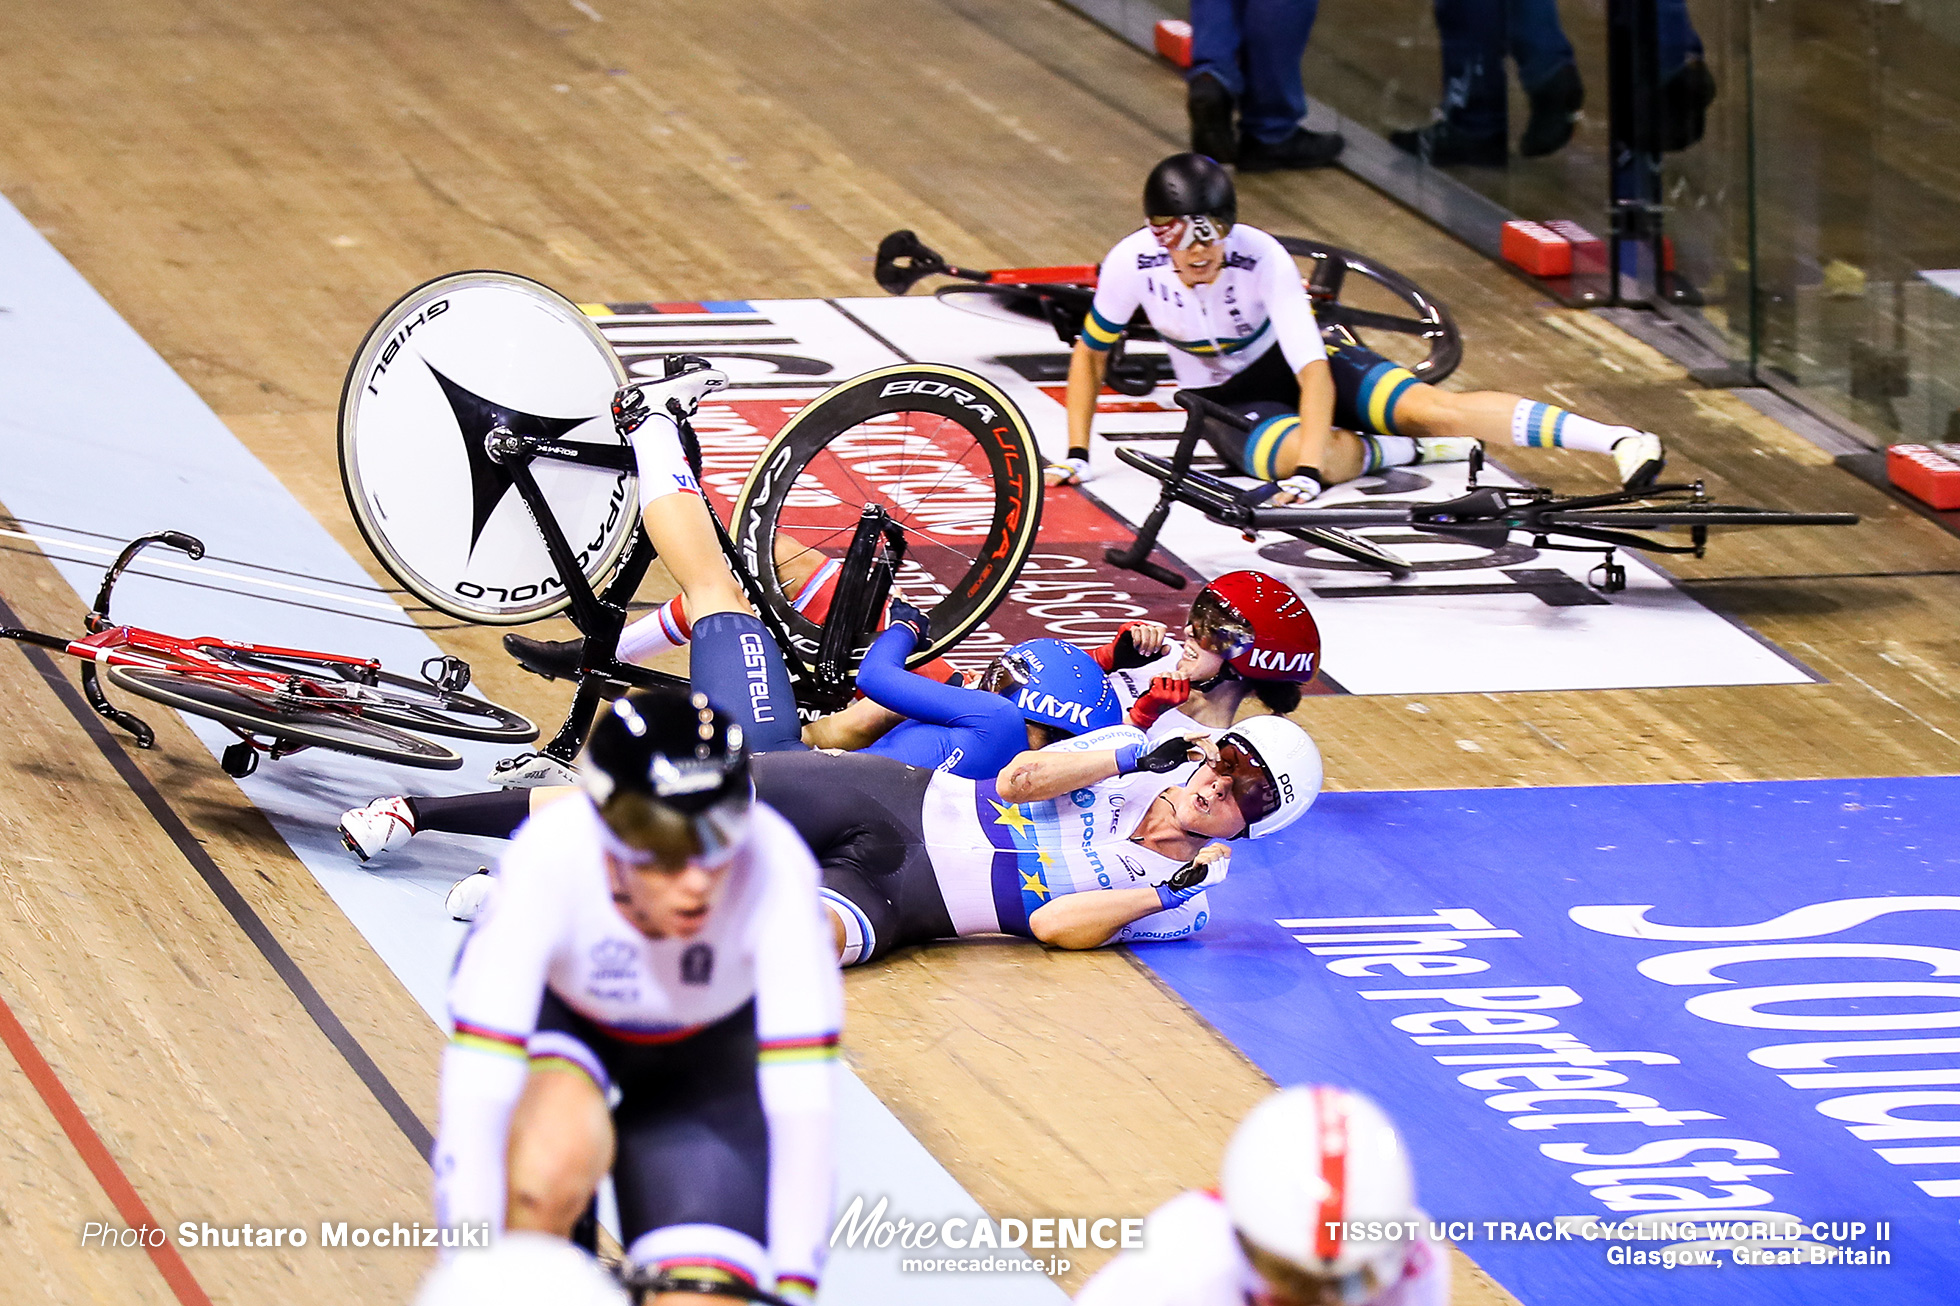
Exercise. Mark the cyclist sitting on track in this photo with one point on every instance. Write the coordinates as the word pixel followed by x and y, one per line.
pixel 1305 1158
pixel 658 938
pixel 1250 635
pixel 1227 300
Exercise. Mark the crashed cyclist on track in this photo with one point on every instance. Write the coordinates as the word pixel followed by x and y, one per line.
pixel 1226 299
pixel 651 992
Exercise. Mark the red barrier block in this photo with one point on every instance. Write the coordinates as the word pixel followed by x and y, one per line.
pixel 1537 249
pixel 1588 250
pixel 1174 41
pixel 1925 473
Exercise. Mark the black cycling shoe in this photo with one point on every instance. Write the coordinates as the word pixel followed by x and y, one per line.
pixel 1210 107
pixel 554 659
pixel 1303 149
pixel 1685 98
pixel 1443 144
pixel 1555 105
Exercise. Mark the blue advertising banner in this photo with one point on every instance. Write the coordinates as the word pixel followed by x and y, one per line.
pixel 1681 1039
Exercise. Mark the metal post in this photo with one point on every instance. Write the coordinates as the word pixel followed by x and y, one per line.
pixel 1634 147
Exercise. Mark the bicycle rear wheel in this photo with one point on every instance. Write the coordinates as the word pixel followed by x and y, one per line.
pixel 339 729
pixel 949 458
pixel 402 700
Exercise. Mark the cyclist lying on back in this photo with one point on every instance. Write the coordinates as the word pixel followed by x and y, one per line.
pixel 1226 299
pixel 1034 694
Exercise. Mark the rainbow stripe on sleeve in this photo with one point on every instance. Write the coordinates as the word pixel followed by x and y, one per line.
pixel 795 1051
pixel 481 1038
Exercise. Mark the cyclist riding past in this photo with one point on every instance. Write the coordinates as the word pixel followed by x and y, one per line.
pixel 1307 1161
pixel 1226 299
pixel 655 943
pixel 1249 635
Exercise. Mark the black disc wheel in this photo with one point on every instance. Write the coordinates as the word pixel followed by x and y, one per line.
pixel 400 700
pixel 1386 311
pixel 341 728
pixel 943 452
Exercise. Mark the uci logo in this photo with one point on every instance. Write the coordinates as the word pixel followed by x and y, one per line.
pixel 698 964
pixel 1082 797
pixel 1047 705
pixel 1271 660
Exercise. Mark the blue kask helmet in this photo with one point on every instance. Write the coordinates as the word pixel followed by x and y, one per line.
pixel 1054 683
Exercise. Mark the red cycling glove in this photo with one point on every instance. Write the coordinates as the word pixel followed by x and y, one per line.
pixel 1165 693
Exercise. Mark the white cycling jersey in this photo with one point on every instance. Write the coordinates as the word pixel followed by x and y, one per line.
pixel 1134 682
pixel 1191 1257
pixel 997 862
pixel 552 925
pixel 1214 331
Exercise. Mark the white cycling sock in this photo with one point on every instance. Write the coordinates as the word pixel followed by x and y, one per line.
pixel 1381 451
pixel 1545 426
pixel 664 628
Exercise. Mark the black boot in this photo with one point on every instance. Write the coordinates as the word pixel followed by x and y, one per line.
pixel 1210 107
pixel 1443 145
pixel 1685 98
pixel 1555 104
pixel 554 659
pixel 1303 149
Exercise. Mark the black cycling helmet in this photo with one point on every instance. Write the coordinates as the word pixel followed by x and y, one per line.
pixel 1190 185
pixel 670 777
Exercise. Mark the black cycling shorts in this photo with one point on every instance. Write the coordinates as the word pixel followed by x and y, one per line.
pixel 862 816
pixel 693 1141
pixel 1367 388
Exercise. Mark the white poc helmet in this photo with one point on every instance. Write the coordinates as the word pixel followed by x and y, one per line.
pixel 521 1269
pixel 1313 1155
pixel 1288 763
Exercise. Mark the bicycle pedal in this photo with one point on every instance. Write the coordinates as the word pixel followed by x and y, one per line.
pixel 532 771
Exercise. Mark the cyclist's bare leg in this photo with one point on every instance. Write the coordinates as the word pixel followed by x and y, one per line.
pixel 1494 417
pixel 1425 411
pixel 561 1146
pixel 796 562
pixel 860 725
pixel 683 534
pixel 1344 459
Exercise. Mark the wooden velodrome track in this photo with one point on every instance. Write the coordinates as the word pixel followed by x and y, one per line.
pixel 250 182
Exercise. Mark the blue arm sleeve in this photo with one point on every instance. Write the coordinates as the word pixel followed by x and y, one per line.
pixel 885 681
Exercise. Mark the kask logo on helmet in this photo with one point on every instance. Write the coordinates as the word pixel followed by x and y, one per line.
pixel 1048 705
pixel 1286 663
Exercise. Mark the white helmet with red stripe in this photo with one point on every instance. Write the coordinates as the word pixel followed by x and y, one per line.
pixel 1314 1156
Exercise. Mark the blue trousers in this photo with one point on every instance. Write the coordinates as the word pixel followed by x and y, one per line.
pixel 1478 34
pixel 1254 47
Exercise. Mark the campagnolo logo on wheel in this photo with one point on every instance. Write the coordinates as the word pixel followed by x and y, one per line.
pixel 447 366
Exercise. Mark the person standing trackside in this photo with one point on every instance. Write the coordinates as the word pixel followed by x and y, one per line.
pixel 1245 55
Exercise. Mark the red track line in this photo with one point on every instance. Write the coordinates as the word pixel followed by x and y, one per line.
pixel 107 1173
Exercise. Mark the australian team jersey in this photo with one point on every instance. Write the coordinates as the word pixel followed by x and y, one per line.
pixel 1191 1257
pixel 1214 331
pixel 997 862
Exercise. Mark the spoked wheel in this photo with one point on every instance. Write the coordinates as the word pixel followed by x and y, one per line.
pixel 339 729
pixel 1420 321
pixel 401 700
pixel 945 454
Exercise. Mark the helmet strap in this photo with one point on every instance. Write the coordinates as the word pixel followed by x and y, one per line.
pixel 1217 678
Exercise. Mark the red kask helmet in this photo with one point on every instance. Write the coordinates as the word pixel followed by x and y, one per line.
pixel 1258 625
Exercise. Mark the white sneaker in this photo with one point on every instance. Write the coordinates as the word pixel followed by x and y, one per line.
pixel 383 824
pixel 1444 449
pixel 1639 459
pixel 532 771
pixel 467 895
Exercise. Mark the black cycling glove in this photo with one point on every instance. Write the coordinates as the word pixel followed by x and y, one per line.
pixel 904 614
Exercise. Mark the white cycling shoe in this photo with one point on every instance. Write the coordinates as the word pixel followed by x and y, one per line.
pixel 467 895
pixel 532 771
pixel 677 396
pixel 1444 449
pixel 1639 459
pixel 383 824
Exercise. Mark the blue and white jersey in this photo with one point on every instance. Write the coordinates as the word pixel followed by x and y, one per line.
pixel 1214 331
pixel 998 862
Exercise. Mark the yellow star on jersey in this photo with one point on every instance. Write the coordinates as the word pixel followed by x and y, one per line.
pixel 1011 815
pixel 1031 883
